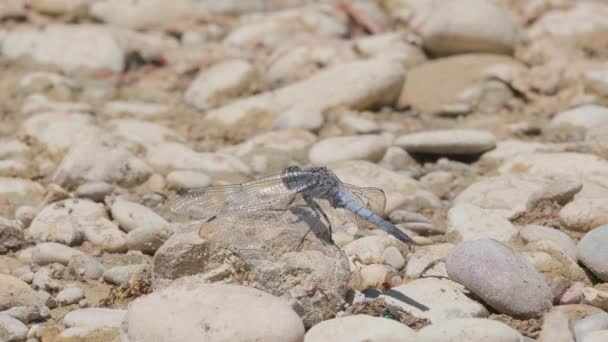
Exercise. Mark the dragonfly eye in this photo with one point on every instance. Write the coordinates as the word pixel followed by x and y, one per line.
pixel 292 169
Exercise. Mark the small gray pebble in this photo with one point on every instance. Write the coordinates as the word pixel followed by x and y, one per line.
pixel 70 295
pixel 85 267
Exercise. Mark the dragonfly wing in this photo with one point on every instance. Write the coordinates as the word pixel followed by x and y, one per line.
pixel 372 198
pixel 260 194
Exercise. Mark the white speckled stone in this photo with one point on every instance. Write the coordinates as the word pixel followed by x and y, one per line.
pixel 201 312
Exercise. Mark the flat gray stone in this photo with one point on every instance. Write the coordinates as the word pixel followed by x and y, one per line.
pixel 448 142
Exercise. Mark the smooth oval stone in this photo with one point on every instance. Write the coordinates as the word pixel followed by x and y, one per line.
pixel 593 253
pixel 504 280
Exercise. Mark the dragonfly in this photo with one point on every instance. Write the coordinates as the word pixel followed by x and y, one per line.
pixel 283 190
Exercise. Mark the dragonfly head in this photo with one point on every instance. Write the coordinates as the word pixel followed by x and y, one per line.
pixel 323 173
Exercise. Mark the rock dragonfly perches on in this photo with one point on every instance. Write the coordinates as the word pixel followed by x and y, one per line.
pixel 282 190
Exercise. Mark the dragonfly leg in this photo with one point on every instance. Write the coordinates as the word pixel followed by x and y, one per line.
pixel 318 212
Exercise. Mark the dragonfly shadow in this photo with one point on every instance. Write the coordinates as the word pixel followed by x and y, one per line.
pixel 405 299
pixel 304 214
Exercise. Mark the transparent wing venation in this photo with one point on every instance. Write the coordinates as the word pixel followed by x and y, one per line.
pixel 372 198
pixel 260 194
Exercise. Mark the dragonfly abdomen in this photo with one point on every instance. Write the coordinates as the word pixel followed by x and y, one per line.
pixel 358 209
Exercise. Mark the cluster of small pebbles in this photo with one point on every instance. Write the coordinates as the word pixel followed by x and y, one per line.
pixel 485 122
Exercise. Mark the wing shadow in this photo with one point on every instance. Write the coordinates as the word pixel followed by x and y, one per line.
pixel 403 298
pixel 315 225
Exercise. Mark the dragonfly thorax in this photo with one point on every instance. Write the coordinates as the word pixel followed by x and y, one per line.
pixel 317 181
pixel 325 183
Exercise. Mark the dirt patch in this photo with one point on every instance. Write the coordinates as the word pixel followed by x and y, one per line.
pixel 529 327
pixel 546 214
pixel 140 284
pixel 379 308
